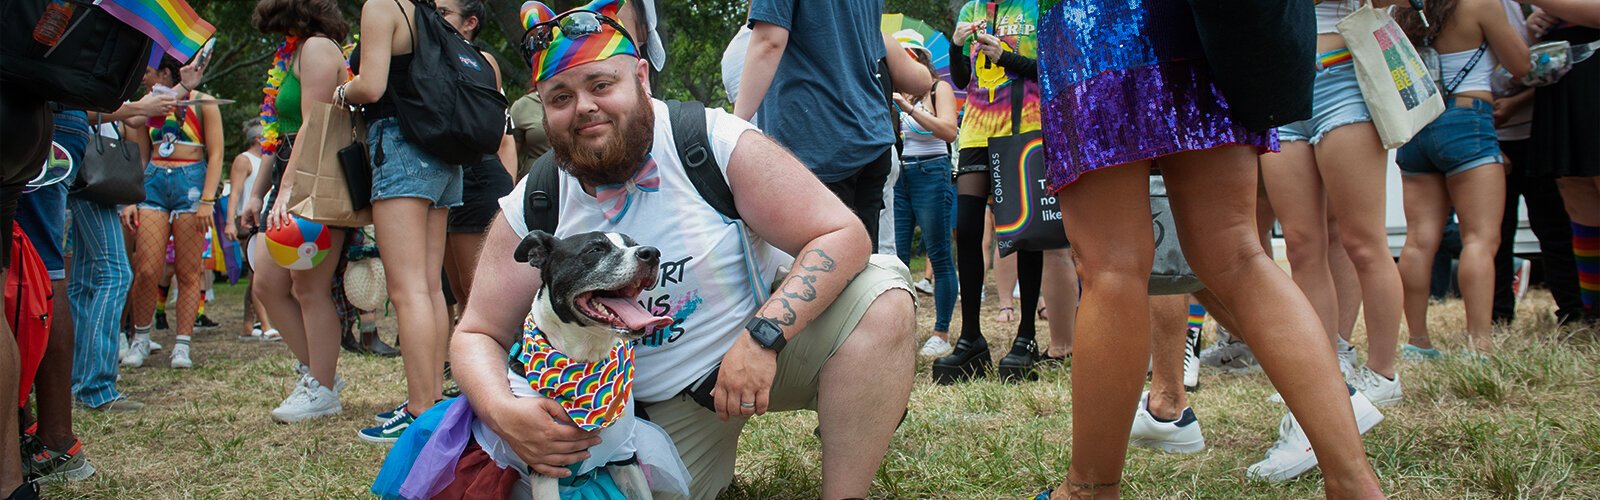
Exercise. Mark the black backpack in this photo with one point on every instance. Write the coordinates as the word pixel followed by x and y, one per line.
pixel 96 65
pixel 542 194
pixel 449 106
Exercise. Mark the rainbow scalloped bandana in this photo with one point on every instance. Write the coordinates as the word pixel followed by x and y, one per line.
pixel 563 52
pixel 594 394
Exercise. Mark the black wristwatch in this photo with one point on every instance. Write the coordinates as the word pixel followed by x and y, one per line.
pixel 767 333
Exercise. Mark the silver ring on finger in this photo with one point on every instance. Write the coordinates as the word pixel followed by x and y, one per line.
pixel 747 406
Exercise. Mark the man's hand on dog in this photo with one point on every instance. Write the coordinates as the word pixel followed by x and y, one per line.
pixel 745 379
pixel 542 434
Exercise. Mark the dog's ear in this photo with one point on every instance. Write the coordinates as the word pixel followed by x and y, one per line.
pixel 535 248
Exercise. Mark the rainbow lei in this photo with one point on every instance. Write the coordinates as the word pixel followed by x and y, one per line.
pixel 594 394
pixel 269 104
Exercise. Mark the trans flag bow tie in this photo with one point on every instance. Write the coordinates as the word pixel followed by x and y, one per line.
pixel 616 198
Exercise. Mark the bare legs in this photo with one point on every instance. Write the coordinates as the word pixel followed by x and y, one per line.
pixel 1428 199
pixel 413 278
pixel 1059 289
pixel 1169 316
pixel 303 306
pixel 1213 201
pixel 853 441
pixel 1290 176
pixel 1104 211
pixel 461 263
pixel 1352 162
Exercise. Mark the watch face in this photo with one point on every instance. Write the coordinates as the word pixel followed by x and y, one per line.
pixel 765 332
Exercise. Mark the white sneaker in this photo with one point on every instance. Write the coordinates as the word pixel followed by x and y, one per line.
pixel 1016 290
pixel 924 286
pixel 1382 391
pixel 310 400
pixel 305 372
pixel 137 351
pixel 1180 436
pixel 1292 455
pixel 180 357
pixel 1347 357
pixel 1191 361
pixel 935 347
pixel 155 346
pixel 122 345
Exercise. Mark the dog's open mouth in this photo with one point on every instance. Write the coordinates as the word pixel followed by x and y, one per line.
pixel 620 308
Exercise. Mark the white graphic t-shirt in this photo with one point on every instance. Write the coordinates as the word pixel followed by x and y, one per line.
pixel 714 271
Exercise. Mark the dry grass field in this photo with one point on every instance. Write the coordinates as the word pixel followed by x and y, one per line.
pixel 1525 425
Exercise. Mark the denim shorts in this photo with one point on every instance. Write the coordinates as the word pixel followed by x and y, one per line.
pixel 1335 102
pixel 1459 140
pixel 402 170
pixel 173 189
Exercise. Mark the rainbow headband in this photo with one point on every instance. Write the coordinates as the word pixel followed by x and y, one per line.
pixel 564 53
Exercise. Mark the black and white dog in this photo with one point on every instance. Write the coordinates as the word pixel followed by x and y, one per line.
pixel 586 303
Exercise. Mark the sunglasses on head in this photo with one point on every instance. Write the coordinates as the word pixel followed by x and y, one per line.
pixel 573 24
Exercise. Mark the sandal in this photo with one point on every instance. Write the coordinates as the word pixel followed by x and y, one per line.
pixel 1008 314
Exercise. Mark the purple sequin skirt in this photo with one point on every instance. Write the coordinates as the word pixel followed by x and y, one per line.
pixel 1124 81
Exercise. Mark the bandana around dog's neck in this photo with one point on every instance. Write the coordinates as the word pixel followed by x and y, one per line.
pixel 564 53
pixel 594 394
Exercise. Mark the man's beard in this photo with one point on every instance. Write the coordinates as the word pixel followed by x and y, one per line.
pixel 620 154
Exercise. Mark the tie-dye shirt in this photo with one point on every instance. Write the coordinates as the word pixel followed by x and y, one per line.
pixel 988 109
pixel 714 272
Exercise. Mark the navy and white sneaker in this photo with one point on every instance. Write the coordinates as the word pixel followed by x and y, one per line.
pixel 1177 436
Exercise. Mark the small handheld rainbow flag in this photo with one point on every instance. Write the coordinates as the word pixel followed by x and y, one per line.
pixel 172 24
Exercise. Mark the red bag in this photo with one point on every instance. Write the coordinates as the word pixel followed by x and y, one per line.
pixel 29 298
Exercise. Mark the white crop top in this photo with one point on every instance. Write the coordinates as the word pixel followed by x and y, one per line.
pixel 1329 12
pixel 1477 78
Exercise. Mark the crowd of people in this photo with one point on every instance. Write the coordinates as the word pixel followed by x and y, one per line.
pixel 846 152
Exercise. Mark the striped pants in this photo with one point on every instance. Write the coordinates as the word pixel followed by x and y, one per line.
pixel 98 290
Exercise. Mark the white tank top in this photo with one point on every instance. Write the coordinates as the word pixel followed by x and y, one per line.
pixel 1329 12
pixel 920 141
pixel 255 168
pixel 1477 78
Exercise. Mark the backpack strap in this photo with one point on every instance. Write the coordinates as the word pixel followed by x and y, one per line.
pixel 694 151
pixel 541 208
pixel 542 195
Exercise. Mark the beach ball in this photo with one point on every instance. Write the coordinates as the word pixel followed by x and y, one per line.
pixel 256 251
pixel 299 245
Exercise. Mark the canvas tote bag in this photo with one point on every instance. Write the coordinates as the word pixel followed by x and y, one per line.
pixel 1026 215
pixel 321 192
pixel 1399 92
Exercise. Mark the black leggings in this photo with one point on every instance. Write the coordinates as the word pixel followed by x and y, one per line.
pixel 972 190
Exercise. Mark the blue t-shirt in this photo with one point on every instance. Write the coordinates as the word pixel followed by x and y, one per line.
pixel 825 103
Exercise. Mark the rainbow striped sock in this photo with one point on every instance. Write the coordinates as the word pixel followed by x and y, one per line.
pixel 1586 251
pixel 1197 317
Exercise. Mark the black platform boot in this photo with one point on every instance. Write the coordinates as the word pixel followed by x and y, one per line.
pixel 970 359
pixel 1018 364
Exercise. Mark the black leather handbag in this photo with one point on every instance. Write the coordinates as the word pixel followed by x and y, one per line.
pixel 111 173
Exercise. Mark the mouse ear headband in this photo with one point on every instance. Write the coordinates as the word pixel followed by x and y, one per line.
pixel 557 42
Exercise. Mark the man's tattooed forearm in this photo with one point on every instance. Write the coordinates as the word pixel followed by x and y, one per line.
pixel 816 261
pixel 786 315
pixel 801 287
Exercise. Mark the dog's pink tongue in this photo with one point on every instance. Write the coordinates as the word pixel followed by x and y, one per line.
pixel 633 316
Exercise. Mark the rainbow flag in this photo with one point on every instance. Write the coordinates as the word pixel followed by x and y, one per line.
pixel 172 24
